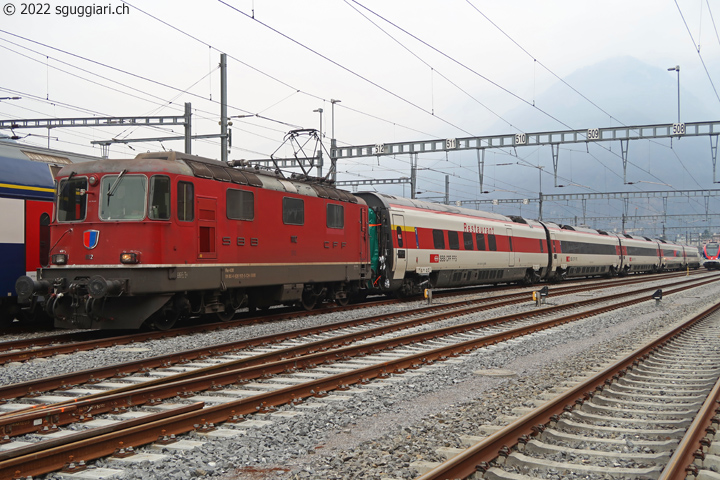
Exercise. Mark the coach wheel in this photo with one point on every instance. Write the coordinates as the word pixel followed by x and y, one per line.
pixel 530 278
pixel 228 314
pixel 164 319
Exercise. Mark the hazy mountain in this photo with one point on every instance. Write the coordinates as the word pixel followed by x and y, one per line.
pixel 633 93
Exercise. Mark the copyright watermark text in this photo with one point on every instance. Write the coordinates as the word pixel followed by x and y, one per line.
pixel 86 11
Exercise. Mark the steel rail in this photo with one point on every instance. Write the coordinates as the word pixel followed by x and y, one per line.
pixel 140 435
pixel 95 375
pixel 17 423
pixel 479 456
pixel 43 347
pixel 691 446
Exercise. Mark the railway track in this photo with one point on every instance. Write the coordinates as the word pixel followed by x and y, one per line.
pixel 651 414
pixel 26 349
pixel 223 401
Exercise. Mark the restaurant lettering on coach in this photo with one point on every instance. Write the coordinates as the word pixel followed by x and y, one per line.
pixel 478 229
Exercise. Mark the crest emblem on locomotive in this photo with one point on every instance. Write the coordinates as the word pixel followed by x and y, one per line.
pixel 91 238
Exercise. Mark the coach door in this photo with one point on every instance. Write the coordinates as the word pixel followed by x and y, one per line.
pixel 206 223
pixel 400 263
pixel 511 252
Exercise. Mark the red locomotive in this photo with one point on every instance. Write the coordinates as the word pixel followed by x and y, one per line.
pixel 168 235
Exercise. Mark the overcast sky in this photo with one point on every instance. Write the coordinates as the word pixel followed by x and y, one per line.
pixel 403 70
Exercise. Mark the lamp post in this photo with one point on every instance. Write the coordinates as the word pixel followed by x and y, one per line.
pixel 676 68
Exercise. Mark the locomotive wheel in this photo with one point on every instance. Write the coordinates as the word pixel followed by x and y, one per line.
pixel 309 299
pixel 342 301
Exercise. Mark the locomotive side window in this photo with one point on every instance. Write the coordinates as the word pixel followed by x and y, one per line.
pixel 492 243
pixel 293 211
pixel 480 239
pixel 185 202
pixel 467 240
pixel 335 216
pixel 439 239
pixel 122 197
pixel 453 240
pixel 72 199
pixel 159 198
pixel 240 205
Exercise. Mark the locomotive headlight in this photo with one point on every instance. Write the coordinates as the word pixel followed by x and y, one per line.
pixel 59 259
pixel 129 257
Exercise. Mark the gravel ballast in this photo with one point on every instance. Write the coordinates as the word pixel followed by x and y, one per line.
pixel 378 432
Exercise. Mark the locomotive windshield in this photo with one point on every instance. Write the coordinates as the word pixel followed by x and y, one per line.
pixel 712 249
pixel 72 199
pixel 122 197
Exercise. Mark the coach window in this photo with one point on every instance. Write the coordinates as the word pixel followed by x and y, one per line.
pixel 480 239
pixel 240 204
pixel 293 211
pixel 335 216
pixel 72 199
pixel 492 243
pixel 185 201
pixel 453 240
pixel 467 240
pixel 439 239
pixel 159 206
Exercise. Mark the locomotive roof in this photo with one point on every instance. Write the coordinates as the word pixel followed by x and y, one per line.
pixel 193 165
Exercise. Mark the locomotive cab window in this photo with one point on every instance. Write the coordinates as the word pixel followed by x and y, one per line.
pixel 240 204
pixel 335 216
pixel 159 206
pixel 185 202
pixel 122 197
pixel 72 199
pixel 293 211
